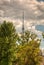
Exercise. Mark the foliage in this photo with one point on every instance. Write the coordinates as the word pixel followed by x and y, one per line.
pixel 19 50
pixel 28 52
pixel 26 37
pixel 8 37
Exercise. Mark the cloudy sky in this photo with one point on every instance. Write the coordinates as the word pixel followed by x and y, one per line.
pixel 12 10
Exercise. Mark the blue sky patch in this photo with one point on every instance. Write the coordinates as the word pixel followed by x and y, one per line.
pixel 40 28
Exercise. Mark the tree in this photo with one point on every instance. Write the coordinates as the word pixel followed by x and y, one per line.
pixel 8 38
pixel 26 53
pixel 26 37
pixel 29 52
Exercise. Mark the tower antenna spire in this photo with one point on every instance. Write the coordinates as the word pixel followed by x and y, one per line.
pixel 23 23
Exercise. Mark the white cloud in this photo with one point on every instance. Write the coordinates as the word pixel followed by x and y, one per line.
pixel 11 10
pixel 1 13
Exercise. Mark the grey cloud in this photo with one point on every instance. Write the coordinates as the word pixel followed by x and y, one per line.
pixel 14 9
